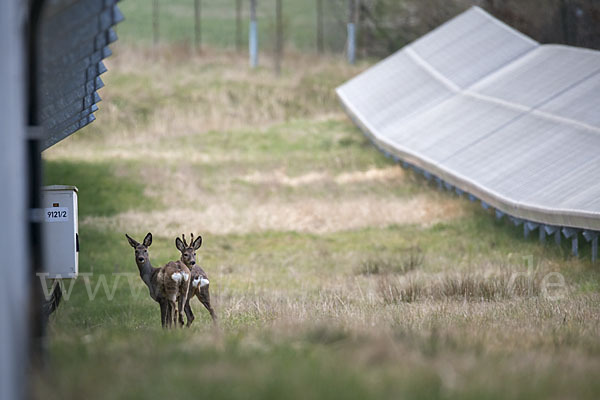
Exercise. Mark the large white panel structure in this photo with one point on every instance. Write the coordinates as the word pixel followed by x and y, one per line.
pixel 493 113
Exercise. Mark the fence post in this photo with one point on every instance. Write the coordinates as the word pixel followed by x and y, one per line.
pixel 155 21
pixel 253 39
pixel 198 23
pixel 351 42
pixel 320 26
pixel 278 36
pixel 238 25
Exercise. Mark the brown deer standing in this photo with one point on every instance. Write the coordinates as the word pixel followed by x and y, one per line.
pixel 199 282
pixel 168 285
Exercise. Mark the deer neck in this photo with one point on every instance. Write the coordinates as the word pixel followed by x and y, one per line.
pixel 147 273
pixel 183 262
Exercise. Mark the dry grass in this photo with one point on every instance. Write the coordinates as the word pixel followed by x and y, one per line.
pixel 150 94
pixel 333 271
pixel 169 122
pixel 312 216
pixel 497 284
pixel 400 262
pixel 390 174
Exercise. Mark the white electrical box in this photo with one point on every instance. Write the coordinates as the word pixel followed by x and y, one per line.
pixel 61 234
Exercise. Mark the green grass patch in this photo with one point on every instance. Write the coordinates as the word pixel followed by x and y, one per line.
pixel 103 188
pixel 176 23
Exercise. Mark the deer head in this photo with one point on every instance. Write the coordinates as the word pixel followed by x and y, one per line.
pixel 188 252
pixel 141 249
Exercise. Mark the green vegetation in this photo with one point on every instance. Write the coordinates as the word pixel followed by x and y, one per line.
pixel 176 23
pixel 105 188
pixel 335 273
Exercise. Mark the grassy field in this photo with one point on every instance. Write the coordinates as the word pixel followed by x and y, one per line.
pixel 334 272
pixel 218 23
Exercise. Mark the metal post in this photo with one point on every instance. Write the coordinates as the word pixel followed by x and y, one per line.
pixel 525 230
pixel 155 21
pixel 238 25
pixel 557 237
pixel 575 246
pixel 358 43
pixel 15 311
pixel 34 184
pixel 197 24
pixel 320 44
pixel 542 234
pixel 278 37
pixel 592 236
pixel 253 36
pixel 351 41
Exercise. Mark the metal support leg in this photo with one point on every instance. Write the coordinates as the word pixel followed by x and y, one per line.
pixel 557 237
pixel 542 235
pixel 351 46
pixel 592 236
pixel 574 246
pixel 499 215
pixel 253 36
pixel 253 44
pixel 525 230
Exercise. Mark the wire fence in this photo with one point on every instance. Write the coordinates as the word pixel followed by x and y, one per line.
pixel 378 27
pixel 307 25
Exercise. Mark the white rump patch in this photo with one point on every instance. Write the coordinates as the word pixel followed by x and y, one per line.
pixel 200 282
pixel 177 277
pixel 186 277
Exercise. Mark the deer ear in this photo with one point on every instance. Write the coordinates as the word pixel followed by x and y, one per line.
pixel 179 245
pixel 148 240
pixel 197 243
pixel 132 242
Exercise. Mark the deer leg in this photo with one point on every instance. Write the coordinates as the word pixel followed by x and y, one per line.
pixel 172 316
pixel 163 313
pixel 188 313
pixel 167 314
pixel 181 300
pixel 204 297
pixel 169 318
pixel 175 313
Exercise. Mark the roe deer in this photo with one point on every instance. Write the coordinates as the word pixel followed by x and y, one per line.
pixel 199 282
pixel 168 285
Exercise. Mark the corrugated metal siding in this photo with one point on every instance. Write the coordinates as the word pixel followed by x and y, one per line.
pixel 74 40
pixel 493 113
